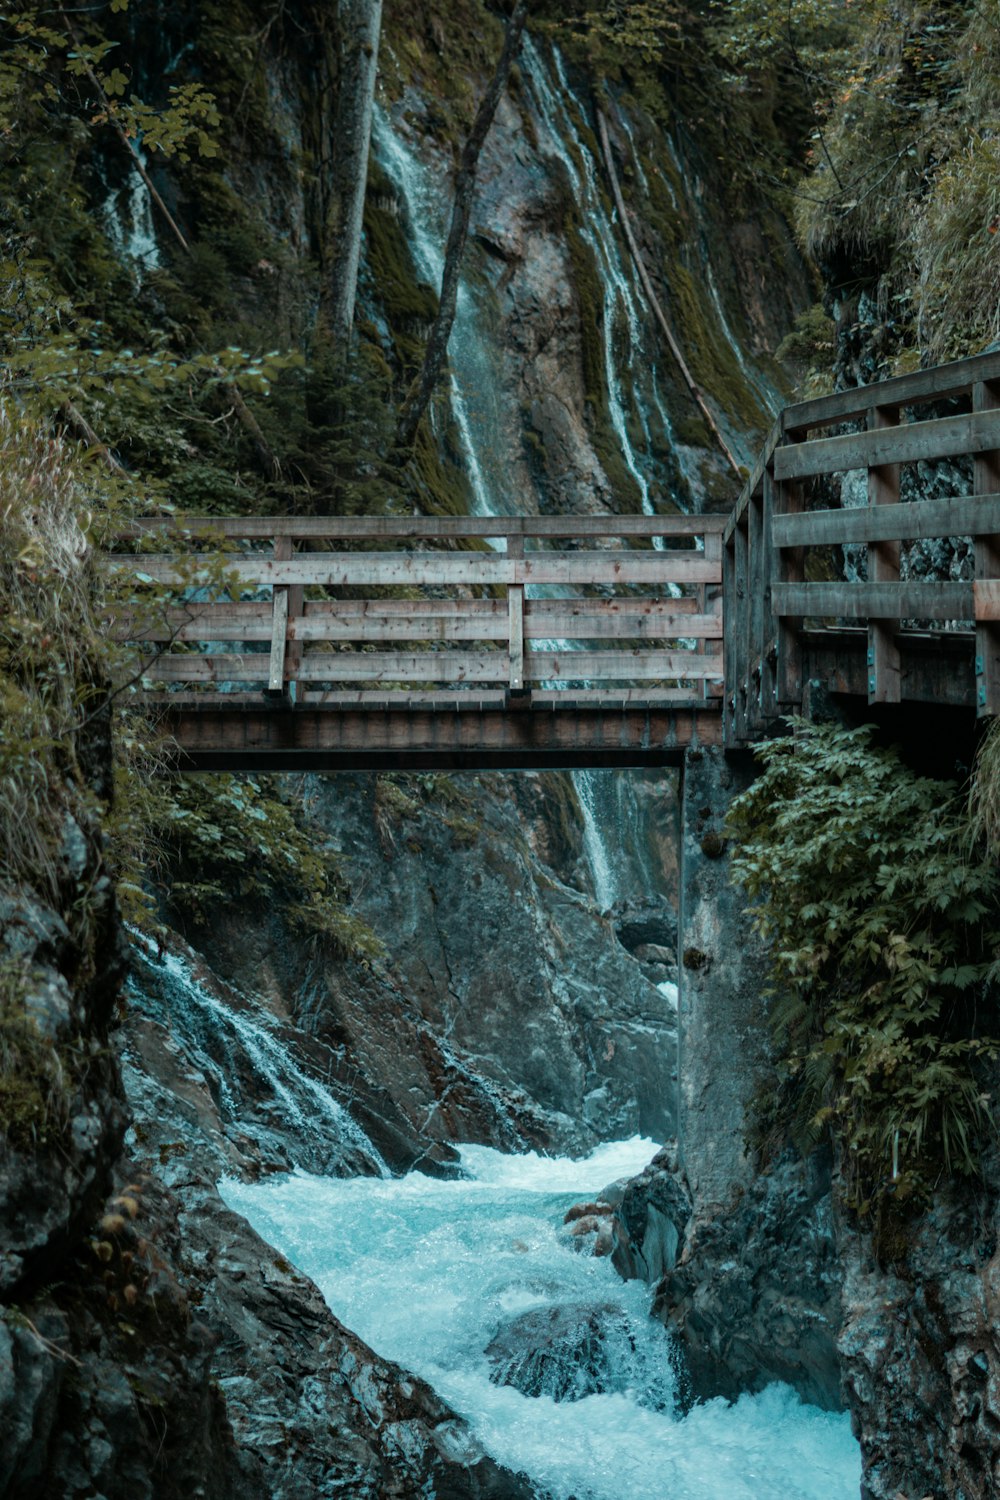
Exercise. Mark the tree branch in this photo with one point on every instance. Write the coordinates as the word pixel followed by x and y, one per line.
pixel 421 390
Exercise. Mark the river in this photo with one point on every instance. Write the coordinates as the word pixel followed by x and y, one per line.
pixel 430 1273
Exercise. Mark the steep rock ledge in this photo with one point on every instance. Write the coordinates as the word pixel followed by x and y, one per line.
pixel 508 1009
pixel 752 1288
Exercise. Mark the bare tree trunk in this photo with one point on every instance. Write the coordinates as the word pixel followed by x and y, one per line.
pixel 436 352
pixel 359 24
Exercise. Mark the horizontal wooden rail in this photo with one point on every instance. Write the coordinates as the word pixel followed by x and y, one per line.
pixel 950 515
pixel 911 442
pixel 443 666
pixel 434 569
pixel 423 528
pixel 912 600
pixel 942 383
pixel 432 620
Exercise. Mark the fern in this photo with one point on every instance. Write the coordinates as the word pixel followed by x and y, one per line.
pixel 882 920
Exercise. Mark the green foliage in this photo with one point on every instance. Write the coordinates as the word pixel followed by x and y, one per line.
pixel 35 1080
pixel 227 837
pixel 882 928
pixel 50 654
pixel 902 196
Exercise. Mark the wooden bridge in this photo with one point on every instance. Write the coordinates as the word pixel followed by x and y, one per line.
pixel 368 642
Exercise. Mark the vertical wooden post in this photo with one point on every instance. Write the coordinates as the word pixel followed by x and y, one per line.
pixel 708 603
pixel 515 618
pixel 756 561
pixel 883 567
pixel 287 604
pixel 739 630
pixel 986 397
pixel 769 571
pixel 790 563
pixel 728 645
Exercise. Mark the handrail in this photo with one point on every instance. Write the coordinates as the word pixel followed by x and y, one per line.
pixel 781 603
pixel 643 617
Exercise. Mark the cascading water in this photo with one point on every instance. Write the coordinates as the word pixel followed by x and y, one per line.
pixel 474 376
pixel 128 215
pixel 473 1283
pixel 254 1077
pixel 620 318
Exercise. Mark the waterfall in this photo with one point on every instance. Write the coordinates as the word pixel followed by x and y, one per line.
pixel 253 1074
pixel 552 1359
pixel 128 218
pixel 595 847
pixel 473 373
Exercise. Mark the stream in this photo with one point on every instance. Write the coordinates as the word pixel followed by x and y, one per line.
pixel 432 1273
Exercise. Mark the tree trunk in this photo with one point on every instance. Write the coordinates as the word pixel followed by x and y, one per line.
pixel 359 24
pixel 436 352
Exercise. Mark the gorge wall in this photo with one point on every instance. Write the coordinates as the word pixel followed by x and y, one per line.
pixel 508 971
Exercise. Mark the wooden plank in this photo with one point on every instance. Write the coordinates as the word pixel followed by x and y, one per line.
pixel 986 593
pixel 949 515
pixel 316 738
pixel 769 646
pixel 786 498
pixel 757 582
pixel 912 600
pixel 442 666
pixel 986 479
pixel 435 569
pixel 738 633
pixel 440 620
pixel 909 442
pixel 279 632
pixel 661 626
pixel 515 648
pixel 373 528
pixel 452 700
pixel 883 567
pixel 943 381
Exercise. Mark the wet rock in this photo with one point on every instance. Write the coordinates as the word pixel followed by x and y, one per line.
pixel 564 1352
pixel 539 1032
pixel 63 1115
pixel 920 1353
pixel 650 1220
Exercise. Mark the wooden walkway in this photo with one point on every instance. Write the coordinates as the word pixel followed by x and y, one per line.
pixel 358 643
pixel 893 596
pixel 534 641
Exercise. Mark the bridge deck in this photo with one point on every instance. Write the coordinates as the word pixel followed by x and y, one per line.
pixel 283 642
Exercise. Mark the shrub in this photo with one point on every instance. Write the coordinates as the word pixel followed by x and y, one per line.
pixel 882 928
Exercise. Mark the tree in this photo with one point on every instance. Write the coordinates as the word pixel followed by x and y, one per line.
pixel 421 390
pixel 358 30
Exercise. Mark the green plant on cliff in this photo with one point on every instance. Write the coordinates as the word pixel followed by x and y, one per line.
pixel 245 837
pixel 882 924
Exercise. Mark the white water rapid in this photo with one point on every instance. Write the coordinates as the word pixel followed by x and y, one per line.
pixel 251 1071
pixel 431 1273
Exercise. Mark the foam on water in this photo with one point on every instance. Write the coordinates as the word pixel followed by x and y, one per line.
pixel 430 1272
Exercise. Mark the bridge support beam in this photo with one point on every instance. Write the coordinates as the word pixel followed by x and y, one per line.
pixel 721 974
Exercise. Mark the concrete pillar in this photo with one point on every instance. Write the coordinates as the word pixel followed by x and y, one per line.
pixel 722 1036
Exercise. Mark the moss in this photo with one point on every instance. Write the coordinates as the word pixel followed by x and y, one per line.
pixel 442 488
pixel 35 1076
pixel 409 304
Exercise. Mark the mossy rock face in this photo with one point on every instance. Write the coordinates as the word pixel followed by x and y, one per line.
pixel 409 304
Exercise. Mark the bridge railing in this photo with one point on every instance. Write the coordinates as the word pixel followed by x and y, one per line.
pixel 462 611
pixel 846 597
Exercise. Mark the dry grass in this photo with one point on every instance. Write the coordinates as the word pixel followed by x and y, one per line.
pixel 48 646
